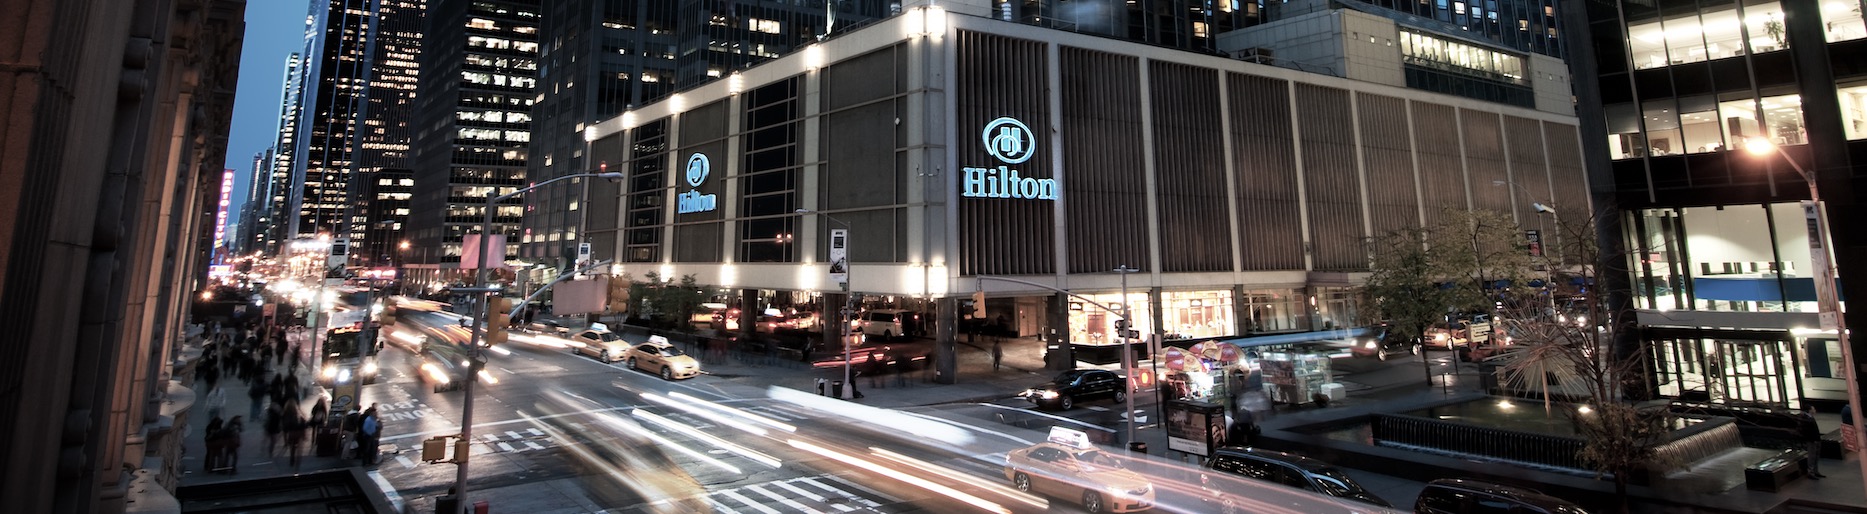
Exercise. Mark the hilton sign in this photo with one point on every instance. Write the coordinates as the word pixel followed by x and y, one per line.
pixel 1010 142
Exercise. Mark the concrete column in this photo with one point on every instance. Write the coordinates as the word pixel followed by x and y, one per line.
pixel 1058 355
pixel 833 323
pixel 945 351
pixel 748 311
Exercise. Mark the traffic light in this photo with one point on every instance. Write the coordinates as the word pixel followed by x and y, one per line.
pixel 618 294
pixel 978 304
pixel 498 320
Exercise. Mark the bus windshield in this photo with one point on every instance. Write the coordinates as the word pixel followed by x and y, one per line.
pixel 346 344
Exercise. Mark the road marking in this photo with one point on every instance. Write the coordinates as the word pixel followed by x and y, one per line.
pixel 748 502
pixel 780 499
pixel 719 507
pixel 388 491
pixel 506 447
pixel 406 464
pixel 534 446
pixel 514 435
pixel 864 500
pixel 535 431
pixel 812 496
pixel 492 438
pixel 1097 408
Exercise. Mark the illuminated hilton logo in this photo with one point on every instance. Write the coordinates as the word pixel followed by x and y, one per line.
pixel 692 200
pixel 1010 142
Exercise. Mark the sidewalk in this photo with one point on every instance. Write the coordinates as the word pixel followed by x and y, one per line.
pixel 253 460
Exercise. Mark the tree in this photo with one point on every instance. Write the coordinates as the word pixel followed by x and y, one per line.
pixel 1567 352
pixel 1458 265
pixel 666 305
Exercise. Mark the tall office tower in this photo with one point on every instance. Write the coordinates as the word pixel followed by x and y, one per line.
pixel 479 64
pixel 337 54
pixel 1725 281
pixel 602 56
pixel 375 227
pixel 251 234
pixel 274 220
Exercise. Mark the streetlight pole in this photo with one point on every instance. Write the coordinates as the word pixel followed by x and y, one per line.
pixel 1127 351
pixel 849 312
pixel 473 344
pixel 1828 305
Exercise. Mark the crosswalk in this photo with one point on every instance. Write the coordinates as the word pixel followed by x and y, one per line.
pixel 532 439
pixel 820 493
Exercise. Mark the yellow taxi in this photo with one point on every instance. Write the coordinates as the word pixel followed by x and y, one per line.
pixel 1067 466
pixel 597 341
pixel 661 356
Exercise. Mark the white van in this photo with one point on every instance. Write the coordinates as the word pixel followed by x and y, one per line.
pixel 885 322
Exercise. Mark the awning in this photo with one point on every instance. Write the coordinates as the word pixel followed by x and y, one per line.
pixel 1301 337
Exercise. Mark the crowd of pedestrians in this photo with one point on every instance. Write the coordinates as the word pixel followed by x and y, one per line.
pixel 265 364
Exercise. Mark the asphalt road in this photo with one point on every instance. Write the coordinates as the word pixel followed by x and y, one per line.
pixel 618 440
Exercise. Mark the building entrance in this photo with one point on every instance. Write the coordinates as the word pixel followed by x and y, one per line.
pixel 1735 367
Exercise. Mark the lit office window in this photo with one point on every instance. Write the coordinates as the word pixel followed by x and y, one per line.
pixel 1854 109
pixel 1842 18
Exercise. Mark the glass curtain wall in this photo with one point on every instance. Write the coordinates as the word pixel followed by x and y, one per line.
pixel 1275 310
pixel 1742 258
pixel 1197 314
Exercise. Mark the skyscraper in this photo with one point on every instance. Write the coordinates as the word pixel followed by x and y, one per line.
pixel 275 213
pixel 337 76
pixel 379 210
pixel 603 56
pixel 1724 275
pixel 473 120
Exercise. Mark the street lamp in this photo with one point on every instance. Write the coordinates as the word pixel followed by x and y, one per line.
pixel 1539 208
pixel 473 344
pixel 1826 286
pixel 1127 351
pixel 849 313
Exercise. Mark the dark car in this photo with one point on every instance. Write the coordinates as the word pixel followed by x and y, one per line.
pixel 1382 342
pixel 1459 496
pixel 548 327
pixel 1077 385
pixel 1291 470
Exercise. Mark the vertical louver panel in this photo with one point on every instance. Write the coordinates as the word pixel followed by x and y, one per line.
pixel 1484 160
pixel 1442 171
pixel 1331 183
pixel 1003 231
pixel 1189 169
pixel 1387 157
pixel 1104 187
pixel 1524 139
pixel 1270 224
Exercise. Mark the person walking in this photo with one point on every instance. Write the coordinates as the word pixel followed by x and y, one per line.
pixel 274 425
pixel 368 432
pixel 998 354
pixel 257 393
pixel 216 402
pixel 233 430
pixel 212 436
pixel 1811 435
pixel 294 425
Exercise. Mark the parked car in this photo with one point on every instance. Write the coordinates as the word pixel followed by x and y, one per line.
pixel 1071 468
pixel 1077 385
pixel 1291 470
pixel 1461 496
pixel 1458 332
pixel 660 356
pixel 1383 342
pixel 600 343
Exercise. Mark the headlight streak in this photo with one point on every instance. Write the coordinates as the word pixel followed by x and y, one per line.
pixel 488 377
pixel 663 441
pixel 736 412
pixel 950 474
pixel 709 439
pixel 499 350
pixel 922 483
pixel 882 417
pixel 435 373
pixel 704 413
pixel 369 368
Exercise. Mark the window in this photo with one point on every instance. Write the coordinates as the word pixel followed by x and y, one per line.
pixel 1782 116
pixel 1843 21
pixel 1698 125
pixel 1854 109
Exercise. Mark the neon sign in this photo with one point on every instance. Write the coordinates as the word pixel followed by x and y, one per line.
pixel 693 201
pixel 1011 142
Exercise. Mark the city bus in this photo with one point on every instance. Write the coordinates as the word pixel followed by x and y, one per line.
pixel 349 354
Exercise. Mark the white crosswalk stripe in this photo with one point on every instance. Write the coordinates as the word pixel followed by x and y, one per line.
pixel 535 432
pixel 812 496
pixel 802 494
pixel 857 497
pixel 735 496
pixel 533 445
pixel 505 447
pixel 780 499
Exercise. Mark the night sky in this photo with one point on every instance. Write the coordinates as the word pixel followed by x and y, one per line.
pixel 274 29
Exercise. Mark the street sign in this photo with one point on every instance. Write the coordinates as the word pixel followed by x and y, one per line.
pixel 1826 301
pixel 1536 242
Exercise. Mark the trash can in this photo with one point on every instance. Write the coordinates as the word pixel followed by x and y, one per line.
pixel 836 388
pixel 447 505
pixel 329 441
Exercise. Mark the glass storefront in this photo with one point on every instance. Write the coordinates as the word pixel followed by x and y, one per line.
pixel 1197 314
pixel 1729 367
pixel 1095 326
pixel 1750 258
pixel 1275 310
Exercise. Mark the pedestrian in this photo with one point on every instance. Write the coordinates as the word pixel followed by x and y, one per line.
pixel 295 357
pixel 233 429
pixel 265 358
pixel 998 354
pixel 318 413
pixel 820 386
pixel 216 401
pixel 1811 436
pixel 212 437
pixel 277 389
pixel 210 372
pixel 348 426
pixel 1244 428
pixel 902 367
pixel 294 424
pixel 369 431
pixel 257 393
pixel 274 425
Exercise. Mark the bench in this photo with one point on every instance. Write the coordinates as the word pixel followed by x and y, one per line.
pixel 1770 473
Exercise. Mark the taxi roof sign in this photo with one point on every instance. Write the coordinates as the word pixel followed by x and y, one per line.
pixel 1070 437
pixel 598 326
pixel 658 339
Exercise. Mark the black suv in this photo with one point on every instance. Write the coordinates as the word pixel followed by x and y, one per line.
pixel 1076 385
pixel 1461 496
pixel 1382 342
pixel 1291 470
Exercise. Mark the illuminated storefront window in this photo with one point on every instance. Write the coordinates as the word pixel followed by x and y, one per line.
pixel 1275 310
pixel 1092 325
pixel 1197 314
